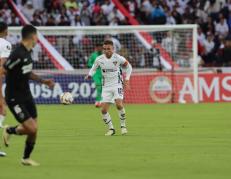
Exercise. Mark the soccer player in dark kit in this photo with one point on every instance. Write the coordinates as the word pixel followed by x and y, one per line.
pixel 18 72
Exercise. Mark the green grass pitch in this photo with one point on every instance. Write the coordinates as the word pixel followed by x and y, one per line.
pixel 164 142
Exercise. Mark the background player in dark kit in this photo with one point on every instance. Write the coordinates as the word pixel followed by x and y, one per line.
pixel 18 71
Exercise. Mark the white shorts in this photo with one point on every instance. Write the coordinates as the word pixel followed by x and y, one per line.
pixel 109 94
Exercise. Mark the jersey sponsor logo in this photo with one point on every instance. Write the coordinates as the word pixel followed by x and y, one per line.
pixel 108 70
pixel 8 47
pixel 115 63
pixel 160 89
pixel 27 68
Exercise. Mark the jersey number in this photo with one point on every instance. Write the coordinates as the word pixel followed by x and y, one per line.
pixel 120 91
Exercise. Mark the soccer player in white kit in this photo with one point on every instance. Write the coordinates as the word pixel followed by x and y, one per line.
pixel 5 49
pixel 113 84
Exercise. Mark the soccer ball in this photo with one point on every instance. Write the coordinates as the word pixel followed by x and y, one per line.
pixel 66 98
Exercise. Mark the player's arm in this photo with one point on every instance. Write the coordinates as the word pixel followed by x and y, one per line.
pixel 2 69
pixel 49 82
pixel 5 53
pixel 92 70
pixel 3 58
pixel 128 72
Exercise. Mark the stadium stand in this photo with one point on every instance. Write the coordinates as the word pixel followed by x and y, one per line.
pixel 212 16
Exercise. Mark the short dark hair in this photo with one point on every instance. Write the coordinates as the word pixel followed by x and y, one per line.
pixel 108 42
pixel 28 30
pixel 98 44
pixel 3 26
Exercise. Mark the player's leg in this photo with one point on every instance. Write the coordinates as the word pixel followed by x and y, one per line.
pixel 2 106
pixel 2 114
pixel 26 115
pixel 30 142
pixel 31 136
pixel 106 100
pixel 98 84
pixel 28 127
pixel 118 93
pixel 21 115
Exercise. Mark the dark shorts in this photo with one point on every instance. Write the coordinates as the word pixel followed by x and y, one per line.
pixel 22 111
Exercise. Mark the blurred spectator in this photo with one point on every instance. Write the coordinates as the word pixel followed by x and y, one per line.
pixel 131 7
pixel 14 21
pixel 77 21
pixel 209 46
pixel 157 15
pixel 170 19
pixel 229 19
pixel 71 4
pixel 222 28
pixel 177 16
pixel 214 6
pixel 28 10
pixel 50 21
pixel 115 14
pixel 85 15
pixel 107 7
pixel 63 21
pixel 39 4
pixel 99 18
pixel 226 56
pixel 170 43
pixel 5 14
pixel 201 36
pixel 36 21
pixel 114 22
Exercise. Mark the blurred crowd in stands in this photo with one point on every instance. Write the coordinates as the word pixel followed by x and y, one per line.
pixel 212 16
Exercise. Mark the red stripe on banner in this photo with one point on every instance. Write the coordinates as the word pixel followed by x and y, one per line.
pixel 24 22
pixel 145 35
pixel 157 88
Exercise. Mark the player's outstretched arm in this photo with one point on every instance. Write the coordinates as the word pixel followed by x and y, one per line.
pixel 49 82
pixel 128 72
pixel 2 71
pixel 92 70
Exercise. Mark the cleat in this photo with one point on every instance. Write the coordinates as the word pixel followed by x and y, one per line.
pixel 29 162
pixel 111 132
pixel 2 154
pixel 124 131
pixel 5 136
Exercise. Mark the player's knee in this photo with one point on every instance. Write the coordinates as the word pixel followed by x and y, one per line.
pixel 119 106
pixel 33 130
pixel 104 111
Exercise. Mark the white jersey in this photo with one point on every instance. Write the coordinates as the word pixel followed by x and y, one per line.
pixel 111 69
pixel 5 48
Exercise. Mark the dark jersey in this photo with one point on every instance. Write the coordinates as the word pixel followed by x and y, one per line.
pixel 18 67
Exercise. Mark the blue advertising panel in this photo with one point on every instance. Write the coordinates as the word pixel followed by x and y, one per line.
pixel 82 90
